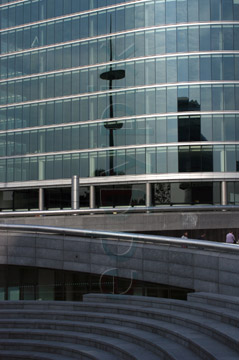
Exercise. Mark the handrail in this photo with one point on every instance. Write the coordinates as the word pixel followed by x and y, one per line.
pixel 140 238
pixel 120 210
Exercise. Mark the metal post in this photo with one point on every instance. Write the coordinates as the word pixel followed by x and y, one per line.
pixel 92 197
pixel 75 192
pixel 41 199
pixel 224 193
pixel 148 195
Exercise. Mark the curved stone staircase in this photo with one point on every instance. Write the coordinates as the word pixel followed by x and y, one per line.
pixel 110 327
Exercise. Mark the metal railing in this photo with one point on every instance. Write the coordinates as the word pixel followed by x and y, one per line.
pixel 123 236
pixel 121 210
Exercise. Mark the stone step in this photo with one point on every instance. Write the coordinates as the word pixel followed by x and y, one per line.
pixel 30 355
pixel 147 345
pixel 200 319
pixel 222 301
pixel 224 333
pixel 92 336
pixel 225 315
pixel 65 350
pixel 200 343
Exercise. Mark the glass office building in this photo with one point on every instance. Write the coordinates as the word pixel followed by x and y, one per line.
pixel 140 99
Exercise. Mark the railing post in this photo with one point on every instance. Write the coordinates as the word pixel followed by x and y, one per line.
pixel 148 194
pixel 224 193
pixel 75 192
pixel 41 199
pixel 92 197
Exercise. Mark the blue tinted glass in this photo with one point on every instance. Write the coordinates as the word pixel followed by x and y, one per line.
pixel 193 38
pixel 236 37
pixel 204 10
pixel 229 97
pixel 183 69
pixel 228 67
pixel 227 37
pixel 34 11
pixel 171 40
pixel 182 40
pixel 217 97
pixel 172 69
pixel 236 67
pixel 229 128
pixel 120 19
pixel 193 68
pixel 236 97
pixel 227 10
pixel 161 100
pixel 230 158
pixel 159 12
pixel 193 10
pixel 205 68
pixel 217 67
pixel 236 10
pixel 171 12
pixel 160 41
pixel 216 38
pixel 206 96
pixel 139 15
pixel 182 11
pixel 215 10
pixel 205 38
pixel 172 99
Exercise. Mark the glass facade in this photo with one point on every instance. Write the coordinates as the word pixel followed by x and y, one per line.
pixel 133 90
pixel 33 283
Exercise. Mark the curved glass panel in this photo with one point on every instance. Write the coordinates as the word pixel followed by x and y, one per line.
pixel 157 41
pixel 147 13
pixel 111 87
pixel 171 160
pixel 156 130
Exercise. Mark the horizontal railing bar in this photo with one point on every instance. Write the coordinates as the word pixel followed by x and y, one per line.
pixel 139 238
pixel 121 210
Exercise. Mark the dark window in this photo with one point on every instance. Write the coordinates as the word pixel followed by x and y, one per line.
pixel 25 199
pixel 189 129
pixel 184 193
pixel 58 198
pixel 120 195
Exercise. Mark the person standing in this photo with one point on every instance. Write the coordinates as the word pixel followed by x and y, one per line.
pixel 230 238
pixel 185 235
pixel 202 236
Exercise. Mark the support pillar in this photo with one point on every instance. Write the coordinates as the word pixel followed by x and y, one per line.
pixel 75 192
pixel 148 195
pixel 224 193
pixel 92 197
pixel 41 199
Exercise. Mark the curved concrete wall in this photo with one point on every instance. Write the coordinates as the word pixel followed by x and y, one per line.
pixel 215 224
pixel 198 269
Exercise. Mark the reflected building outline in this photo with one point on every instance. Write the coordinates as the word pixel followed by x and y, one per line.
pixel 168 111
pixel 112 126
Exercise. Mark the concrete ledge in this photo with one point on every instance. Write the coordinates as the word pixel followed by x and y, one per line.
pixel 143 223
pixel 223 301
pixel 191 268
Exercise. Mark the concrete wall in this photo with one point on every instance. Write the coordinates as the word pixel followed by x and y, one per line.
pixel 215 224
pixel 201 270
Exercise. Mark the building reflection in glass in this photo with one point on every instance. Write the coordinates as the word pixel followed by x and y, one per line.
pixel 112 126
pixel 190 193
pixel 189 127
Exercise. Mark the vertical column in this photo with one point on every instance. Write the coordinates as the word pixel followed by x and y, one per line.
pixel 92 197
pixel 41 199
pixel 148 194
pixel 224 193
pixel 75 192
